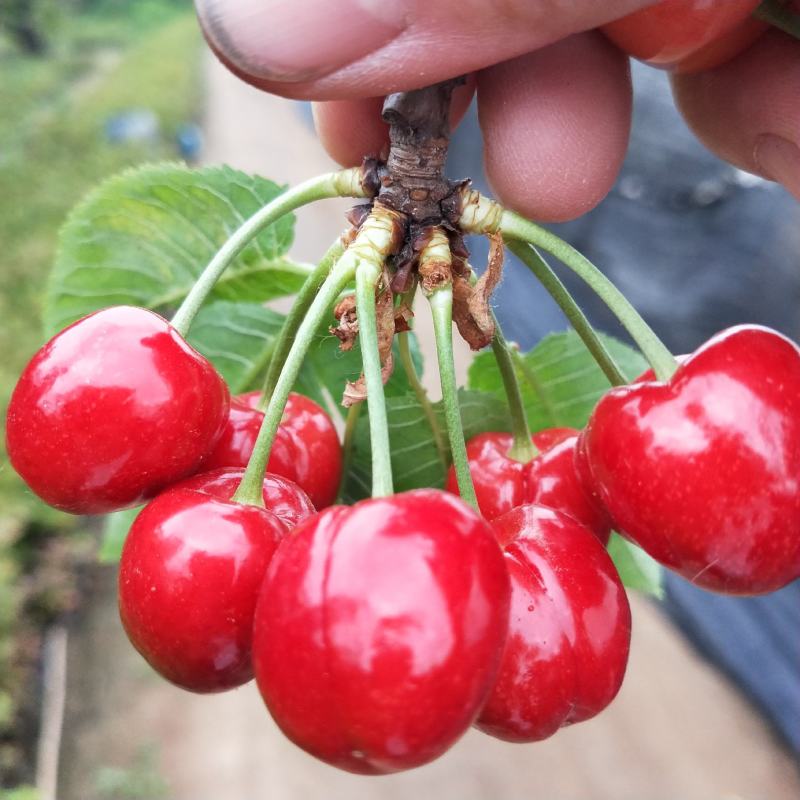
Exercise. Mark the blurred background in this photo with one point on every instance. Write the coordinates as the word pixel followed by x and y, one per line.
pixel 711 704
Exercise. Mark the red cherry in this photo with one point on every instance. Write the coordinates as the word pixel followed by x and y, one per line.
pixel 111 410
pixel 306 448
pixel 501 483
pixel 190 574
pixel 284 498
pixel 703 471
pixel 687 35
pixel 379 630
pixel 568 632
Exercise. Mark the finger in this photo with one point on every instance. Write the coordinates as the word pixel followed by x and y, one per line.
pixel 327 50
pixel 555 126
pixel 351 129
pixel 747 111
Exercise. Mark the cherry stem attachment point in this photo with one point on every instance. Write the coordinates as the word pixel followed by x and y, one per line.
pixel 572 311
pixel 523 448
pixel 345 183
pixel 368 275
pixel 441 302
pixel 294 318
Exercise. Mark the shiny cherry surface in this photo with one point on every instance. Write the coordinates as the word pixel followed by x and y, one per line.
pixel 379 630
pixel 501 483
pixel 284 498
pixel 111 410
pixel 683 34
pixel 568 632
pixel 703 472
pixel 189 579
pixel 306 448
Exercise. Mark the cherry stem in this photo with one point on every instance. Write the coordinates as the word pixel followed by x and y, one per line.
pixel 441 302
pixel 513 226
pixel 523 448
pixel 302 302
pixel 367 276
pixel 345 183
pixel 572 311
pixel 350 425
pixel 779 16
pixel 375 240
pixel 422 396
pixel 536 385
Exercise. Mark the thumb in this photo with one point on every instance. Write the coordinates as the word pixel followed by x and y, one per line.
pixel 346 49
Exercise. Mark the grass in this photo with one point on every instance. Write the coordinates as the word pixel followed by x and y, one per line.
pixel 52 151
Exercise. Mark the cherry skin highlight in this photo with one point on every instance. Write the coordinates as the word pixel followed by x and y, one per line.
pixel 190 573
pixel 501 483
pixel 379 630
pixel 306 448
pixel 568 632
pixel 284 498
pixel 703 472
pixel 111 410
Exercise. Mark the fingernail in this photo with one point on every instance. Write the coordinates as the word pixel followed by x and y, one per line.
pixel 779 160
pixel 299 40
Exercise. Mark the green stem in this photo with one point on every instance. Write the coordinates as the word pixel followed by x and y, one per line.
pixel 367 277
pixel 441 301
pixel 523 448
pixel 536 385
pixel 346 183
pixel 295 316
pixel 422 396
pixel 514 226
pixel 780 16
pixel 250 489
pixel 572 311
pixel 353 413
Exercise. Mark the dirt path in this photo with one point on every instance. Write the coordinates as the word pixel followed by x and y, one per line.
pixel 676 731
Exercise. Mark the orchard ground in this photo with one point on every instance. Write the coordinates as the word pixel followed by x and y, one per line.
pixel 676 730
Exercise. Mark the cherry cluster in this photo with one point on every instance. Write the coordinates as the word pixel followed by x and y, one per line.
pixel 380 632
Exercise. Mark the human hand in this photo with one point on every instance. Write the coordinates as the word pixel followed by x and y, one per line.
pixel 554 95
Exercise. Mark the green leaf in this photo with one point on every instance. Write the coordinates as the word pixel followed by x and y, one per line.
pixel 237 338
pixel 561 381
pixel 115 531
pixel 637 569
pixel 143 237
pixel 415 460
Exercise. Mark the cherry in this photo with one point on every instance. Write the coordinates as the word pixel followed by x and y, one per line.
pixel 568 631
pixel 111 410
pixel 501 483
pixel 306 448
pixel 190 573
pixel 284 498
pixel 379 630
pixel 687 35
pixel 703 471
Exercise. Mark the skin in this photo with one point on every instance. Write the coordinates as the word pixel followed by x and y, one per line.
pixel 702 472
pixel 569 627
pixel 550 479
pixel 111 410
pixel 306 449
pixel 190 574
pixel 380 628
pixel 284 498
pixel 553 140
